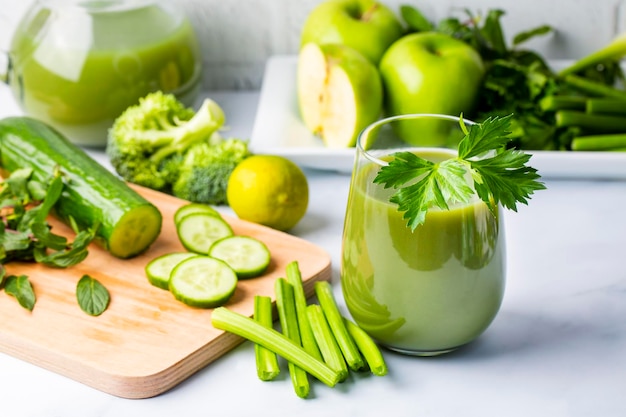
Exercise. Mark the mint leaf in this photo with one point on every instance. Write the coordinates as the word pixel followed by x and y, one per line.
pixel 25 234
pixel 93 298
pixel 500 176
pixel 3 274
pixel 67 256
pixel 21 288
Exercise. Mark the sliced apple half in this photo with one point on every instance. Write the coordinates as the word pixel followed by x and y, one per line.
pixel 339 92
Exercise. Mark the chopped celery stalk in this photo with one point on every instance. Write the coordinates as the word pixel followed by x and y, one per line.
pixel 599 142
pixel 368 348
pixel 289 323
pixel 591 123
pixel 552 103
pixel 612 106
pixel 614 50
pixel 236 323
pixel 326 341
pixel 594 88
pixel 349 349
pixel 294 277
pixel 266 361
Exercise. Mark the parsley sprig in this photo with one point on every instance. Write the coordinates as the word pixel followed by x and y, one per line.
pixel 500 177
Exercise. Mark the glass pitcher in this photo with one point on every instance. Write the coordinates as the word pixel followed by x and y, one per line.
pixel 78 64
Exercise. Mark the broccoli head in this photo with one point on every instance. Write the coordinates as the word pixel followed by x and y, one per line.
pixel 206 167
pixel 147 141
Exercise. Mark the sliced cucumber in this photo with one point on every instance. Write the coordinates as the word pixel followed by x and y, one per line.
pixel 159 269
pixel 202 281
pixel 198 231
pixel 247 256
pixel 194 208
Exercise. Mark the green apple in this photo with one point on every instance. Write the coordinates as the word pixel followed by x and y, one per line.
pixel 339 92
pixel 429 72
pixel 365 25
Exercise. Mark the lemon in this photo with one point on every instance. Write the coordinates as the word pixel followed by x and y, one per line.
pixel 269 190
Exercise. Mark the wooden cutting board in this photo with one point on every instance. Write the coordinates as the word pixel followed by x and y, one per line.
pixel 146 342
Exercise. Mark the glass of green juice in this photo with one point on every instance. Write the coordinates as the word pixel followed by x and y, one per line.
pixel 78 64
pixel 431 290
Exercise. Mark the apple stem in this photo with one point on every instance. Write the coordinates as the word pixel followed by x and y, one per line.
pixel 367 14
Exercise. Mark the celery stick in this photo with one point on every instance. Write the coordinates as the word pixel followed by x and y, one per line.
pixel 266 361
pixel 236 323
pixel 349 349
pixel 289 323
pixel 594 87
pixel 308 340
pixel 552 103
pixel 611 106
pixel 590 122
pixel 599 142
pixel 614 50
pixel 326 341
pixel 368 348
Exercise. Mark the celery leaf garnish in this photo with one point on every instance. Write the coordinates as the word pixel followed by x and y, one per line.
pixel 500 175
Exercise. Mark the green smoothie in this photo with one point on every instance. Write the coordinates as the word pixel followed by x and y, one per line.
pixel 79 68
pixel 423 292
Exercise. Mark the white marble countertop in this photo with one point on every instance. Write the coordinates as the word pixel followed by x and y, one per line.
pixel 557 347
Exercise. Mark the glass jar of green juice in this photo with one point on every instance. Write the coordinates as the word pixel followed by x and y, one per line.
pixel 77 64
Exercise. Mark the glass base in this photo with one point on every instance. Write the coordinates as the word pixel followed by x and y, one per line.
pixel 417 352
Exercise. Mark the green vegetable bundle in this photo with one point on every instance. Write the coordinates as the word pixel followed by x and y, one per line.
pixel 577 108
pixel 315 339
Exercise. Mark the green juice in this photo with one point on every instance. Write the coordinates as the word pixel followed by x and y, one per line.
pixel 78 69
pixel 423 292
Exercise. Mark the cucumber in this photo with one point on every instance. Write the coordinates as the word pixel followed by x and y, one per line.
pixel 194 208
pixel 247 256
pixel 128 223
pixel 197 231
pixel 202 281
pixel 159 269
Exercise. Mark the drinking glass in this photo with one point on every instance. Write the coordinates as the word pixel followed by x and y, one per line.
pixel 427 291
pixel 78 64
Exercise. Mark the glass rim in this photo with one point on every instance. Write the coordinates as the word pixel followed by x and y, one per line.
pixel 387 120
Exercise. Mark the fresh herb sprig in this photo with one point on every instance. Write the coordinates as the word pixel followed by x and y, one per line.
pixel 500 177
pixel 26 236
pixel 92 297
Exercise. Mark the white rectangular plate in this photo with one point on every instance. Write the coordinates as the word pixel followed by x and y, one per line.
pixel 278 130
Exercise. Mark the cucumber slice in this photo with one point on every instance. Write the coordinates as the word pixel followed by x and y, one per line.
pixel 202 281
pixel 194 208
pixel 247 256
pixel 159 269
pixel 198 231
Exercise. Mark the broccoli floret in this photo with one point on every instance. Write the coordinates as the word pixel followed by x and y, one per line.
pixel 147 141
pixel 204 173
